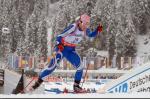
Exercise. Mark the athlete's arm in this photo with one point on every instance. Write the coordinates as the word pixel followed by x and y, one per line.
pixel 68 30
pixel 95 32
pixel 89 33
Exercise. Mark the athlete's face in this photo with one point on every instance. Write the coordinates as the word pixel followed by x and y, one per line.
pixel 84 26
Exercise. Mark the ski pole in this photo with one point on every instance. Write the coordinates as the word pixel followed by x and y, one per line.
pixel 85 74
pixel 27 85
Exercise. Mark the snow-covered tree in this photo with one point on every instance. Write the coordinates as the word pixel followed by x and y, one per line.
pixel 140 14
pixel 28 21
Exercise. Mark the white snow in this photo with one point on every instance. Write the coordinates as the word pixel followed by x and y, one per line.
pixel 103 53
pixel 69 85
pixel 95 95
pixel 143 49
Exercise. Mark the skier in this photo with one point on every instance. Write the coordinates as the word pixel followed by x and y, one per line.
pixel 66 43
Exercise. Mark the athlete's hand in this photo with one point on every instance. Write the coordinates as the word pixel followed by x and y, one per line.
pixel 100 28
pixel 60 47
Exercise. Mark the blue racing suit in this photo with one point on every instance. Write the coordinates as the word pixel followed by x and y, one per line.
pixel 69 38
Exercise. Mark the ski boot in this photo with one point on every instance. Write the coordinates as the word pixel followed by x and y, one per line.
pixel 36 84
pixel 77 88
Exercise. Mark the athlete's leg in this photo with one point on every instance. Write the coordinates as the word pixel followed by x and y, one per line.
pixel 75 60
pixel 51 67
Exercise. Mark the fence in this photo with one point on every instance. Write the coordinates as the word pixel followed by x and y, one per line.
pixel 26 62
pixel 32 62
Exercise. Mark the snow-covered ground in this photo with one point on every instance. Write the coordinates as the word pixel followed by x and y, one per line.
pixel 68 85
pixel 88 95
pixel 50 86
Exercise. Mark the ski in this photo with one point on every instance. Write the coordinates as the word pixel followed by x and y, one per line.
pixel 67 91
